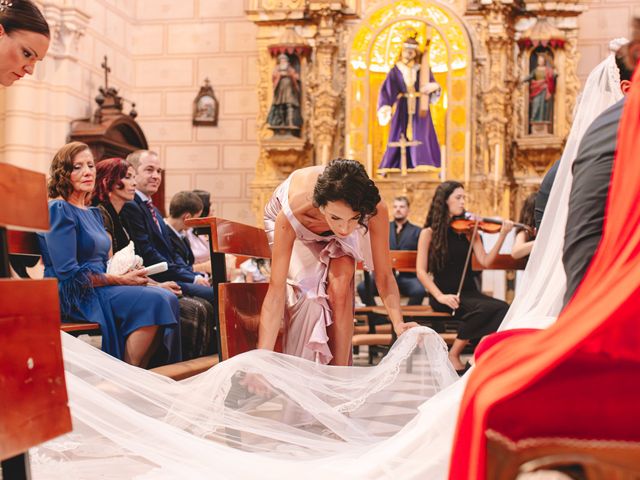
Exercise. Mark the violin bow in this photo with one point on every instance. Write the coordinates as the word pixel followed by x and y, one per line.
pixel 466 262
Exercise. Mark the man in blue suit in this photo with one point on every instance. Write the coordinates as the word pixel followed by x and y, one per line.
pixel 149 232
pixel 403 235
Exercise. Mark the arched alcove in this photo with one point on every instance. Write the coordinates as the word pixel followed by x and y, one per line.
pixel 373 50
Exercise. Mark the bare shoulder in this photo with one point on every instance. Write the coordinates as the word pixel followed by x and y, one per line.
pixel 425 234
pixel 301 187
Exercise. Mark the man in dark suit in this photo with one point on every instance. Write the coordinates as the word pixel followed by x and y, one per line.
pixel 151 235
pixel 403 235
pixel 591 177
pixel 184 205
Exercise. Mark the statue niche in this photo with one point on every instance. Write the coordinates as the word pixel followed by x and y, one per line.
pixel 284 116
pixel 542 89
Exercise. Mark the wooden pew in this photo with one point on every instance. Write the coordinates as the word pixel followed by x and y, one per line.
pixel 237 311
pixel 26 243
pixel 33 400
pixel 507 263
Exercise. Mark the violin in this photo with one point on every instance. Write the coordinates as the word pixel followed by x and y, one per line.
pixel 467 223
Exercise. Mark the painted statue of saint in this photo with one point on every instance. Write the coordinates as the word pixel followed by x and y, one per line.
pixel 542 86
pixel 284 116
pixel 400 102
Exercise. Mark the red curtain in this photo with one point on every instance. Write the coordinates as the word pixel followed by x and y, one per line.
pixel 527 385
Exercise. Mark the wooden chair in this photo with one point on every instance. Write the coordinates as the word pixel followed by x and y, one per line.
pixel 507 263
pixel 237 312
pixel 588 459
pixel 33 402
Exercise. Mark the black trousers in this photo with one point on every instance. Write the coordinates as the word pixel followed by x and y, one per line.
pixel 409 286
pixel 479 314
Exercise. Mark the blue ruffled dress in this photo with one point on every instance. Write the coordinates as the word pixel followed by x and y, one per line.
pixel 76 247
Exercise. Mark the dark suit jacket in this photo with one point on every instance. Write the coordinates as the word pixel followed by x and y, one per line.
pixel 183 253
pixel 591 176
pixel 408 240
pixel 151 244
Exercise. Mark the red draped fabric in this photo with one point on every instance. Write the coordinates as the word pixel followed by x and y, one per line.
pixel 586 366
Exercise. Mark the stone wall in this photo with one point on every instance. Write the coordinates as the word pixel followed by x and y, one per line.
pixel 176 45
pixel 603 21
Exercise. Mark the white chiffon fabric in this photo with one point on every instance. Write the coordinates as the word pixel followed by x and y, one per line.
pixel 395 420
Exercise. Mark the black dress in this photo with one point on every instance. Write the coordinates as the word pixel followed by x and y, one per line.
pixel 479 314
pixel 196 314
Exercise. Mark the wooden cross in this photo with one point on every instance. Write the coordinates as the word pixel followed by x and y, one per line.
pixel 107 71
pixel 412 96
pixel 403 144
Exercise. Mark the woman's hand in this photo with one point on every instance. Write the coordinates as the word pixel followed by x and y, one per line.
pixel 507 225
pixel 257 385
pixel 451 301
pixel 134 277
pixel 400 328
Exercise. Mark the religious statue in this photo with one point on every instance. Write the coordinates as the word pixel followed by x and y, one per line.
pixel 284 117
pixel 412 137
pixel 542 86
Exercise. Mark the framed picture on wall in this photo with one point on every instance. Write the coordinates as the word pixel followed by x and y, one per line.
pixel 205 106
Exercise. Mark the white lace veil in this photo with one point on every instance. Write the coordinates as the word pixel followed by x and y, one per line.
pixel 395 420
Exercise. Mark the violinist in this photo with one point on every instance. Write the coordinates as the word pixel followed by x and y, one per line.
pixel 440 265
pixel 523 243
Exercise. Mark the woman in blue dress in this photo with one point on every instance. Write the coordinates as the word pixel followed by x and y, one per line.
pixel 135 320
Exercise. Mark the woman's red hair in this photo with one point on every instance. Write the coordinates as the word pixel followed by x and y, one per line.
pixel 109 174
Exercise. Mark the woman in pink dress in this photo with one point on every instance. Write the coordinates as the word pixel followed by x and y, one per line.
pixel 320 221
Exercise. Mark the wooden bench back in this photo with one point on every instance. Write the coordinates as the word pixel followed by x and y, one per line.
pixel 404 260
pixel 501 262
pixel 237 312
pixel 34 396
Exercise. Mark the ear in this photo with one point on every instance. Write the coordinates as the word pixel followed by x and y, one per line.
pixel 625 86
pixel 2 30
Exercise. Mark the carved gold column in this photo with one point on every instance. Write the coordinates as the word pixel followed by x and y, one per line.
pixel 489 184
pixel 324 83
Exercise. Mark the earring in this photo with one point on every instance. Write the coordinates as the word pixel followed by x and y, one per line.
pixel 5 4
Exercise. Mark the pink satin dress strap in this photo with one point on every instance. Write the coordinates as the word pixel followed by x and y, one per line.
pixel 307 310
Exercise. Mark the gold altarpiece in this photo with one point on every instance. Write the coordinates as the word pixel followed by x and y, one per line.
pixel 479 53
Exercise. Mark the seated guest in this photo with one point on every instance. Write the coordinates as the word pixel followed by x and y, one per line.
pixel 115 185
pixel 151 235
pixel 200 242
pixel 133 319
pixel 524 238
pixel 591 176
pixel 442 253
pixel 403 235
pixel 183 206
pixel 256 270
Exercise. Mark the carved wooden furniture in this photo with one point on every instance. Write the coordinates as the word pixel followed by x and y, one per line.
pixel 112 133
pixel 237 312
pixel 33 402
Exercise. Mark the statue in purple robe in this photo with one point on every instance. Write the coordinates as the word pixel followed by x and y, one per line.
pixel 411 124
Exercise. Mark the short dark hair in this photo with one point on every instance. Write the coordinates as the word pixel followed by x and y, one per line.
pixel 59 183
pixel 347 181
pixel 109 175
pixel 402 198
pixel 24 15
pixel 206 201
pixel 184 202
pixel 625 72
